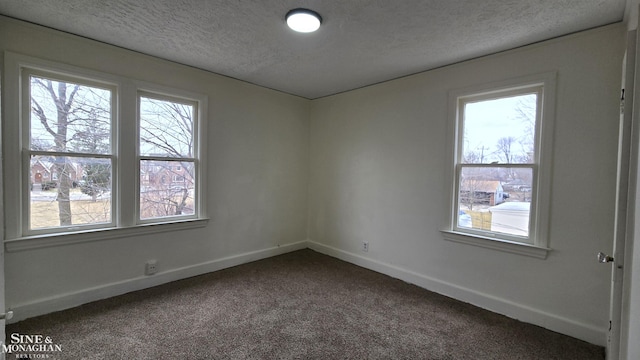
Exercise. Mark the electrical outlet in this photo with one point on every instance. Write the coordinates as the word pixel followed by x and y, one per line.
pixel 151 267
pixel 365 246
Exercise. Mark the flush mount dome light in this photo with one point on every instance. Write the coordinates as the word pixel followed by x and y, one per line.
pixel 303 20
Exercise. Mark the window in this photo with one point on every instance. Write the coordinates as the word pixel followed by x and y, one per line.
pixel 68 131
pixel 166 146
pixel 500 164
pixel 78 138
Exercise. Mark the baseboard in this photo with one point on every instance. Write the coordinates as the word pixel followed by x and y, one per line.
pixel 489 302
pixel 73 299
pixel 520 312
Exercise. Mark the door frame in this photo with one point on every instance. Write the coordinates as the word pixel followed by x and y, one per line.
pixel 2 303
pixel 626 187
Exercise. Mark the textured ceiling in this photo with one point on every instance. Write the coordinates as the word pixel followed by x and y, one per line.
pixel 361 42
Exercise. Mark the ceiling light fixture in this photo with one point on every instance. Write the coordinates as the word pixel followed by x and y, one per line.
pixel 303 20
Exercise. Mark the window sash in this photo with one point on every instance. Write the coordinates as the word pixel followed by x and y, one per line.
pixel 167 191
pixel 529 239
pixel 194 104
pixel 90 209
pixel 537 89
pixel 28 72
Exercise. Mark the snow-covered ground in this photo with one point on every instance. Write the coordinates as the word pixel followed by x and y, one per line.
pixel 51 195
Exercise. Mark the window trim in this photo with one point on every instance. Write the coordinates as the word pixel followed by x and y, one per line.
pixel 90 235
pixel 124 222
pixel 539 217
pixel 25 122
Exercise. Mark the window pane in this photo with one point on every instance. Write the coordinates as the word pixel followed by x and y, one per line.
pixel 499 130
pixel 69 117
pixel 67 191
pixel 495 199
pixel 166 128
pixel 166 188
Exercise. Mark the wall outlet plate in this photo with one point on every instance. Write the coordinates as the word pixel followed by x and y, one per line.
pixel 365 246
pixel 151 267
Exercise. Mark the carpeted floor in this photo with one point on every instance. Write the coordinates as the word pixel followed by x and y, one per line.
pixel 301 305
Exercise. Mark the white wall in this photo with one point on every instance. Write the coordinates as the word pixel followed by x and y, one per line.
pixel 257 181
pixel 378 174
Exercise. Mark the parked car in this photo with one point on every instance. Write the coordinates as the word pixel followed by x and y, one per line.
pixel 48 185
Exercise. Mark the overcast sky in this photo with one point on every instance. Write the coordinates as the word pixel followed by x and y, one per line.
pixel 487 121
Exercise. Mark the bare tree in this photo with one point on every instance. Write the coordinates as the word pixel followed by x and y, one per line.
pixel 505 147
pixel 63 100
pixel 526 113
pixel 476 156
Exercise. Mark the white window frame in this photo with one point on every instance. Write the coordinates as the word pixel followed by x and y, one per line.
pixel 25 123
pixel 537 242
pixel 124 134
pixel 199 105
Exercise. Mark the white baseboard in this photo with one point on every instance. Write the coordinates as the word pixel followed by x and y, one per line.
pixel 489 302
pixel 520 312
pixel 73 299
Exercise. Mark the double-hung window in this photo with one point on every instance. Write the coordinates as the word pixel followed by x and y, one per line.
pixel 168 166
pixel 69 161
pixel 87 151
pixel 501 185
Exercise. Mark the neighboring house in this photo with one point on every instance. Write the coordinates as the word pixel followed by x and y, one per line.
pixel 159 174
pixel 40 173
pixel 517 185
pixel 482 192
pixel 519 190
pixel 45 171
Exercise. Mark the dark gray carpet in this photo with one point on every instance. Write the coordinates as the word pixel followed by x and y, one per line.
pixel 301 305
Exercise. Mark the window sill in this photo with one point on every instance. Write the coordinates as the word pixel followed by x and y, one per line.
pixel 68 238
pixel 495 244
